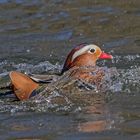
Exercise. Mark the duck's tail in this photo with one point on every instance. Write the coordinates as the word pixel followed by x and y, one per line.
pixel 22 85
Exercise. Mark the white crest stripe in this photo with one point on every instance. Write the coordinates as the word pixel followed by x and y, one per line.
pixel 83 50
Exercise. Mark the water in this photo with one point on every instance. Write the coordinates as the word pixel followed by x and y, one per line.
pixel 36 36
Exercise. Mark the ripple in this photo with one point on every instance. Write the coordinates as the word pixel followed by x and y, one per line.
pixel 100 9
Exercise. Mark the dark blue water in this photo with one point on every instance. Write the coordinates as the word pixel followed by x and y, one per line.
pixel 36 36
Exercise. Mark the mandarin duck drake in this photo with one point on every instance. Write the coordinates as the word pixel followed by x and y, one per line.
pixel 81 62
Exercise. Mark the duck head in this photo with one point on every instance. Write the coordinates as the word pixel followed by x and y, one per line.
pixel 84 55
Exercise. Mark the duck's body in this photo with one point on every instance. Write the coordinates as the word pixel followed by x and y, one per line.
pixel 93 75
pixel 81 62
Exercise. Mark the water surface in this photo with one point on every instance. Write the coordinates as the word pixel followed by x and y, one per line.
pixel 36 36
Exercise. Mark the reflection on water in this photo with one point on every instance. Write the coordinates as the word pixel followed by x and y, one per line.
pixel 97 119
pixel 36 36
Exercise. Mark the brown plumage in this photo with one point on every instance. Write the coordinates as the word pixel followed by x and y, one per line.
pixel 22 85
pixel 81 62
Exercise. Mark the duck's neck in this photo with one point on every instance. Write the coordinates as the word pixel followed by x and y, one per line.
pixel 77 67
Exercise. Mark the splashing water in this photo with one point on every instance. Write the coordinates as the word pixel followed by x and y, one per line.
pixel 66 93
